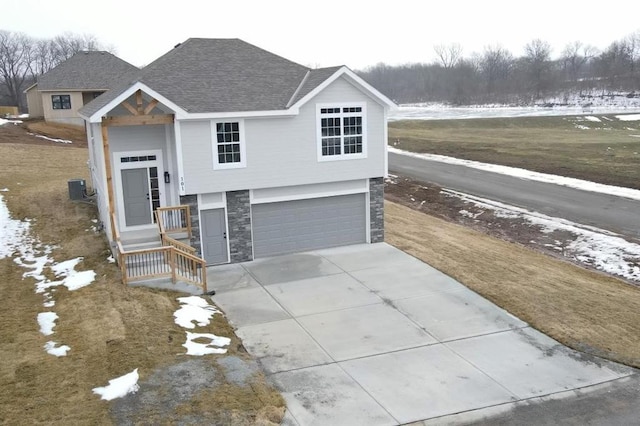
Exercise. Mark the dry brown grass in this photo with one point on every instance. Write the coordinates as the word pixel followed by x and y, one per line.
pixel 583 309
pixel 58 130
pixel 605 153
pixel 111 328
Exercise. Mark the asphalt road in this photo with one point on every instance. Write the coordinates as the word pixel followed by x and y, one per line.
pixel 616 214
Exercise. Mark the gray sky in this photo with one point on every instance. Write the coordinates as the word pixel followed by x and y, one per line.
pixel 329 32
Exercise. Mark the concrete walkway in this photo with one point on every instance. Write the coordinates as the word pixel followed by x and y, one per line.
pixel 367 334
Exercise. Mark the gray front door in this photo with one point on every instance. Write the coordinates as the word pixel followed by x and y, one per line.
pixel 135 194
pixel 214 236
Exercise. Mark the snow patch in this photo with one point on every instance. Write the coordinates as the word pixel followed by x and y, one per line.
pixel 14 122
pixel 599 248
pixel 194 309
pixel 628 117
pixel 119 387
pixel 47 321
pixel 65 141
pixel 59 351
pixel 584 185
pixel 581 127
pixel 592 118
pixel 214 346
pixel 4 190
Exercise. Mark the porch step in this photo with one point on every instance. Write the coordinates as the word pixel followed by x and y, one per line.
pixel 141 245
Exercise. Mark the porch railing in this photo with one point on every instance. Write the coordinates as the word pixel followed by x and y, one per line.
pixel 174 220
pixel 173 259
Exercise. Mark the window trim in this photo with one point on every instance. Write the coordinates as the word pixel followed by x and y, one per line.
pixel 342 155
pixel 214 145
pixel 62 103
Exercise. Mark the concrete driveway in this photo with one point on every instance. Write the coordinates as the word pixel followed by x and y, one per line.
pixel 367 334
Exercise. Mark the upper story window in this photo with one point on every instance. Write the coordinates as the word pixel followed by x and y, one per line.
pixel 341 132
pixel 61 101
pixel 229 146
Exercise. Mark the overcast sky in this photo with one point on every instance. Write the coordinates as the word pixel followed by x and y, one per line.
pixel 329 32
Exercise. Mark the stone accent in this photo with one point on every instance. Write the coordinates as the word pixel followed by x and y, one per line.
pixel 376 209
pixel 239 223
pixel 192 202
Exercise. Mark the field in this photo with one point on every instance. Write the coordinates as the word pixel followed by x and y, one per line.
pixel 111 328
pixel 605 151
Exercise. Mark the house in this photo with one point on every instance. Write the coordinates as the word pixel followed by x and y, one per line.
pixel 271 157
pixel 59 93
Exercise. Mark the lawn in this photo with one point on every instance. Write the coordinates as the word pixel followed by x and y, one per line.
pixel 605 151
pixel 111 328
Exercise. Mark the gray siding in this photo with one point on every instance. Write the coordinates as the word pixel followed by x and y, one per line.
pixel 283 151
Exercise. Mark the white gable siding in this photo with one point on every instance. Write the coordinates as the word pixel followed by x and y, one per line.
pixel 283 151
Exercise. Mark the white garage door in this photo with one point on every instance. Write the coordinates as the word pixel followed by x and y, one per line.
pixel 300 225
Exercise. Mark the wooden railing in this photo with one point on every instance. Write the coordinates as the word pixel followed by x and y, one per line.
pixel 174 259
pixel 174 220
pixel 178 245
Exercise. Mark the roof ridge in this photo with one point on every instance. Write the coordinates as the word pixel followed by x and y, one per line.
pixel 304 79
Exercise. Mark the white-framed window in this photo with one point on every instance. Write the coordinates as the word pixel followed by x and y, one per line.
pixel 341 131
pixel 228 144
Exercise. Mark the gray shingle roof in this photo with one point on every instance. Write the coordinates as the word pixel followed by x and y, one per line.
pixel 87 71
pixel 222 75
pixel 313 80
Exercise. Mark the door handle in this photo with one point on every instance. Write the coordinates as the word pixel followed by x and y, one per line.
pixel 147 195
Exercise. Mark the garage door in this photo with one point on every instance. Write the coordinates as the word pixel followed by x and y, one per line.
pixel 294 226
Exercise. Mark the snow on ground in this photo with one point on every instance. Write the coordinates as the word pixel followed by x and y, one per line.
pixel 5 121
pixel 58 351
pixel 592 118
pixel 29 253
pixel 444 112
pixel 584 185
pixel 196 309
pixel 119 386
pixel 601 249
pixel 630 117
pixel 50 139
pixel 214 346
pixel 4 190
pixel 47 320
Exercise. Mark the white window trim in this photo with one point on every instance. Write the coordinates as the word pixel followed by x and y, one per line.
pixel 214 145
pixel 342 155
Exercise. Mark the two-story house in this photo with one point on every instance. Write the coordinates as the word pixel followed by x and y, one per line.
pixel 271 156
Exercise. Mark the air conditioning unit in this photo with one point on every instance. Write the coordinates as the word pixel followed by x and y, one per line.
pixel 77 189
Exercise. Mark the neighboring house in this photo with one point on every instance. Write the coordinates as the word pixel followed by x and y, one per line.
pixel 59 93
pixel 272 157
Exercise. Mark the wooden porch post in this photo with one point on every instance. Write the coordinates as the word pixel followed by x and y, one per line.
pixel 107 167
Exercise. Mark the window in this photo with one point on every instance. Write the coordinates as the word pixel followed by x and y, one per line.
pixel 229 151
pixel 61 101
pixel 341 132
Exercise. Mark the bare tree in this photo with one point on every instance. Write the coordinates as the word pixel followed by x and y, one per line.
pixel 538 60
pixel 15 55
pixel 495 65
pixel 448 55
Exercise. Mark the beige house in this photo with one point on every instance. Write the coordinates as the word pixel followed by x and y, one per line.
pixel 60 93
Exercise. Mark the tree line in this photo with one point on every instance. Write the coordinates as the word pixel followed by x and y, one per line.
pixel 497 76
pixel 23 58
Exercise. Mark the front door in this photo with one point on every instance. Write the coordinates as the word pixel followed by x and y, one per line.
pixel 136 196
pixel 214 236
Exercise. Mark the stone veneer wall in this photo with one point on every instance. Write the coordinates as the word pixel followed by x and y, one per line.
pixel 192 202
pixel 239 222
pixel 376 209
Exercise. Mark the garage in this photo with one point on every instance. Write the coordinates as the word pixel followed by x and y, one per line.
pixel 309 224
